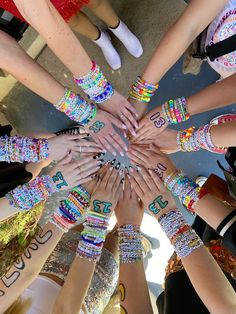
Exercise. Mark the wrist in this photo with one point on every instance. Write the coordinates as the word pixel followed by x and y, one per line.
pixel 175 111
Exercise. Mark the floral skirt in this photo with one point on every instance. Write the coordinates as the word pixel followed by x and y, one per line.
pixel 67 8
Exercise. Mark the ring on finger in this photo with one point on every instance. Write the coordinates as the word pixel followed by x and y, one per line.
pixel 122 116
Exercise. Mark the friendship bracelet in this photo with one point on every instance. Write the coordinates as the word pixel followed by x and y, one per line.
pixel 194 139
pixel 23 149
pixel 76 108
pixel 130 244
pixel 24 197
pixel 175 111
pixel 95 85
pixel 93 236
pixel 142 91
pixel 226 223
pixel 188 192
pixel 181 235
pixel 72 210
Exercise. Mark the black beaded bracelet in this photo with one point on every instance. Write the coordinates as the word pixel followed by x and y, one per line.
pixel 226 221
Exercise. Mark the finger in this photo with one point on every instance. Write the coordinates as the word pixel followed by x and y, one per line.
pixel 83 149
pixel 93 164
pixel 127 190
pixel 86 160
pixel 117 183
pixel 136 187
pixel 129 121
pixel 118 123
pixel 82 181
pixel 118 189
pixel 148 179
pixel 65 160
pixel 134 159
pixel 106 177
pixel 140 151
pixel 87 173
pixel 108 147
pixel 85 143
pixel 119 144
pixel 156 179
pixel 131 109
pixel 114 175
pixel 74 137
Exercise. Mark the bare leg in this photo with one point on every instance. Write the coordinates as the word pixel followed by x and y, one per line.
pixel 104 11
pixel 80 23
pixel 14 60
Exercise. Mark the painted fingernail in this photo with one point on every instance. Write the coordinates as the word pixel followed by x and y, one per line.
pixel 113 162
pixel 138 168
pixel 117 166
pixel 121 172
pixel 94 176
pixel 122 180
pixel 124 127
pixel 122 154
pixel 100 166
pixel 131 169
pixel 111 168
pixel 102 160
pixel 114 153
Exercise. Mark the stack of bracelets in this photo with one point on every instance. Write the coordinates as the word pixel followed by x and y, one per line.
pixel 72 209
pixel 181 235
pixel 142 90
pixel 20 149
pixel 194 139
pixel 25 197
pixel 188 192
pixel 95 85
pixel 93 236
pixel 76 108
pixel 175 111
pixel 130 244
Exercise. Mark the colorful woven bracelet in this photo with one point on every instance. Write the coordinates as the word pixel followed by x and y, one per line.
pixel 72 210
pixel 181 235
pixel 25 197
pixel 76 108
pixel 194 139
pixel 142 91
pixel 93 236
pixel 130 244
pixel 23 149
pixel 188 192
pixel 95 85
pixel 175 111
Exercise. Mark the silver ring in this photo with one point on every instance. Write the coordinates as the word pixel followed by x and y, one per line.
pixel 80 149
pixel 122 116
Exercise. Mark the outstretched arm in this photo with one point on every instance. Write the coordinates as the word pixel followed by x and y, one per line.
pixel 28 266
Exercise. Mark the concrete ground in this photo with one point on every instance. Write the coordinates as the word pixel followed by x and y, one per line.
pixel 149 19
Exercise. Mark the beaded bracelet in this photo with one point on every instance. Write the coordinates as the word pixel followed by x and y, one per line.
pixel 23 149
pixel 175 111
pixel 194 139
pixel 130 244
pixel 181 235
pixel 72 210
pixel 93 236
pixel 142 91
pixel 95 85
pixel 188 192
pixel 76 108
pixel 24 197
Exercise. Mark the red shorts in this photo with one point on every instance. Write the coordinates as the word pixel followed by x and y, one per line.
pixel 67 8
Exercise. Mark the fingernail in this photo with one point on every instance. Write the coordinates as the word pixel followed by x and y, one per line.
pixel 131 169
pixel 122 180
pixel 121 172
pixel 102 160
pixel 117 166
pixel 149 170
pixel 122 154
pixel 114 153
pixel 138 168
pixel 113 161
pixel 100 166
pixel 87 134
pixel 111 168
pixel 124 127
pixel 94 176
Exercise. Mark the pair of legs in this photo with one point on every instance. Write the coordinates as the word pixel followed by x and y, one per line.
pixel 103 10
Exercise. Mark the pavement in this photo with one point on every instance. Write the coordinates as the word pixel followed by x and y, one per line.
pixel 149 20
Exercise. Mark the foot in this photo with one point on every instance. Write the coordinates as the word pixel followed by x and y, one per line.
pixel 110 53
pixel 129 40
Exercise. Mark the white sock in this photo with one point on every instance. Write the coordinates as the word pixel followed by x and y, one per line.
pixel 130 41
pixel 110 53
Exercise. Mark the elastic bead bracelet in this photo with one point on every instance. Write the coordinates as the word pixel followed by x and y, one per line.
pixel 25 197
pixel 142 91
pixel 175 111
pixel 76 108
pixel 130 244
pixel 181 235
pixel 93 236
pixel 23 149
pixel 188 192
pixel 95 85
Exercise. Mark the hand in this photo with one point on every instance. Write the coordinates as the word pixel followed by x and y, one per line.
pixel 129 210
pixel 106 193
pixel 60 146
pixel 139 106
pixel 103 132
pixel 151 125
pixel 153 158
pixel 152 192
pixel 120 107
pixel 67 174
pixel 166 141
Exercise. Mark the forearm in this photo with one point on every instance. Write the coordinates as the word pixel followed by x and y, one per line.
pixel 210 282
pixel 196 17
pixel 133 289
pixel 215 96
pixel 71 296
pixel 43 16
pixel 223 135
pixel 27 267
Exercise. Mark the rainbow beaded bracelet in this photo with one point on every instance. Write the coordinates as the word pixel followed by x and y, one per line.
pixel 175 111
pixel 142 91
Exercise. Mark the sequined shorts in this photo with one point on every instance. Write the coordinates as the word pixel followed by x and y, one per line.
pixel 105 277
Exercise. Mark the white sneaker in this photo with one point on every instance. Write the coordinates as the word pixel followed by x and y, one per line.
pixel 201 180
pixel 110 53
pixel 129 40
